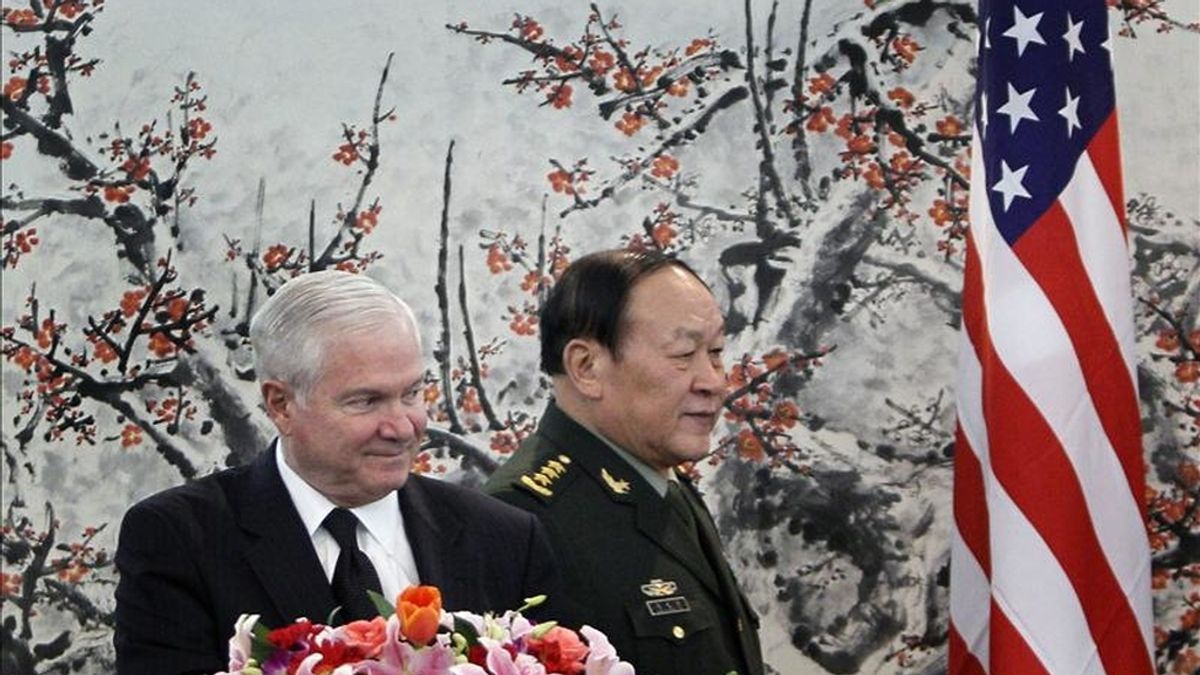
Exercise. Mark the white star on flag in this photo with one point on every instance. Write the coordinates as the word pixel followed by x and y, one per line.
pixel 1070 112
pixel 1010 183
pixel 1024 30
pixel 1017 107
pixel 1074 42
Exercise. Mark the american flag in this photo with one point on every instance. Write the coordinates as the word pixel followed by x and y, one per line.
pixel 1050 564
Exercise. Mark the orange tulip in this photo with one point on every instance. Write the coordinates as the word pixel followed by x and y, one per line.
pixel 419 608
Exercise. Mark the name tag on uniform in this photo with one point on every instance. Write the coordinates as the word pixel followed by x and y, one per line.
pixel 665 606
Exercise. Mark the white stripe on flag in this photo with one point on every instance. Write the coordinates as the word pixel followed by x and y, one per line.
pixel 1104 251
pixel 970 599
pixel 1035 594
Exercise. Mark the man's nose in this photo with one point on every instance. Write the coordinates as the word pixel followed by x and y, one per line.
pixel 711 378
pixel 402 423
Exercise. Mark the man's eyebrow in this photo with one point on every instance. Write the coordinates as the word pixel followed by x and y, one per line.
pixel 694 334
pixel 360 391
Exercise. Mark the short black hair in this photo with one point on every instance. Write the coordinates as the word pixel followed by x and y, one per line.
pixel 589 300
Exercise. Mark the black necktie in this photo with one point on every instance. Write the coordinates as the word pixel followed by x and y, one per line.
pixel 354 573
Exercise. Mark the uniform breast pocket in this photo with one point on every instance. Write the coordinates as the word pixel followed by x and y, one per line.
pixel 672 634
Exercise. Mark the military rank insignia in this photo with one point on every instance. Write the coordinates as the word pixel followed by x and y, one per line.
pixel 542 481
pixel 658 588
pixel 663 599
pixel 618 486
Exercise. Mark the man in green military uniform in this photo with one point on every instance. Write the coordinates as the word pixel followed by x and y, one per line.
pixel 633 343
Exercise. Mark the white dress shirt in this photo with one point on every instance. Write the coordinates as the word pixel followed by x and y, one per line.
pixel 381 533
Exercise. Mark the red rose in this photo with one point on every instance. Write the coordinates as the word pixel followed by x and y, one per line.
pixel 560 650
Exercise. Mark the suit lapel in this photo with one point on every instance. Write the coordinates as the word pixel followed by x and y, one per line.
pixel 279 549
pixel 710 540
pixel 655 519
pixel 433 534
pixel 661 525
pixel 733 594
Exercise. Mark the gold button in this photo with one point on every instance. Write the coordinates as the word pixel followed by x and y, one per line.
pixel 678 632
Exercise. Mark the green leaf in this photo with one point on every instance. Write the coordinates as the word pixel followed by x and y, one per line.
pixel 530 603
pixel 385 608
pixel 261 648
pixel 465 629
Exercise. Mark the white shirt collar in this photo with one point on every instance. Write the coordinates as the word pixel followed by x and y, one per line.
pixel 381 517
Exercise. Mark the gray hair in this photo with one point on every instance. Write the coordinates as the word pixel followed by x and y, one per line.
pixel 290 331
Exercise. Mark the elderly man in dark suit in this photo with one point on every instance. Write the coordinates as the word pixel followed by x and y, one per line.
pixel 633 343
pixel 330 510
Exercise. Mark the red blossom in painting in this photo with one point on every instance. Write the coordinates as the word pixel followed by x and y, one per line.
pixel 497 260
pixel 529 29
pixel 118 194
pixel 630 123
pixel 523 324
pixel 697 45
pixel 601 62
pixel 821 84
pixel 161 345
pixel 1188 371
pixel 20 17
pixel 137 168
pixel 567 61
pixel 561 181
pixel 104 352
pixel 820 119
pixel 901 96
pixel 625 81
pixel 15 87
pixel 347 154
pixel 950 126
pixel 199 127
pixel 367 220
pixel 275 256
pixel 131 435
pixel 560 96
pixel 906 48
pixel 664 166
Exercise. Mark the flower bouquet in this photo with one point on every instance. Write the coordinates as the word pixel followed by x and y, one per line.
pixel 418 637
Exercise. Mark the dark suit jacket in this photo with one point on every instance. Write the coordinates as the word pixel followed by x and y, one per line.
pixel 193 558
pixel 631 567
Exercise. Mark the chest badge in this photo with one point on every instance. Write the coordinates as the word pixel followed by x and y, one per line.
pixel 617 485
pixel 659 588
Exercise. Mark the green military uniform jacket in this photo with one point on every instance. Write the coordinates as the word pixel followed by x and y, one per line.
pixel 633 567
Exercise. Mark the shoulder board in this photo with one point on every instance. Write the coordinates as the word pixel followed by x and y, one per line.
pixel 545 479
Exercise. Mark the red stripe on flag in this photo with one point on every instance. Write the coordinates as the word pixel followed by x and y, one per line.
pixel 962 661
pixel 1050 253
pixel 1105 152
pixel 970 502
pixel 1009 653
pixel 972 300
pixel 1033 469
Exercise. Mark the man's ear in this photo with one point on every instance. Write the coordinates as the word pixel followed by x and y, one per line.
pixel 587 364
pixel 277 398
